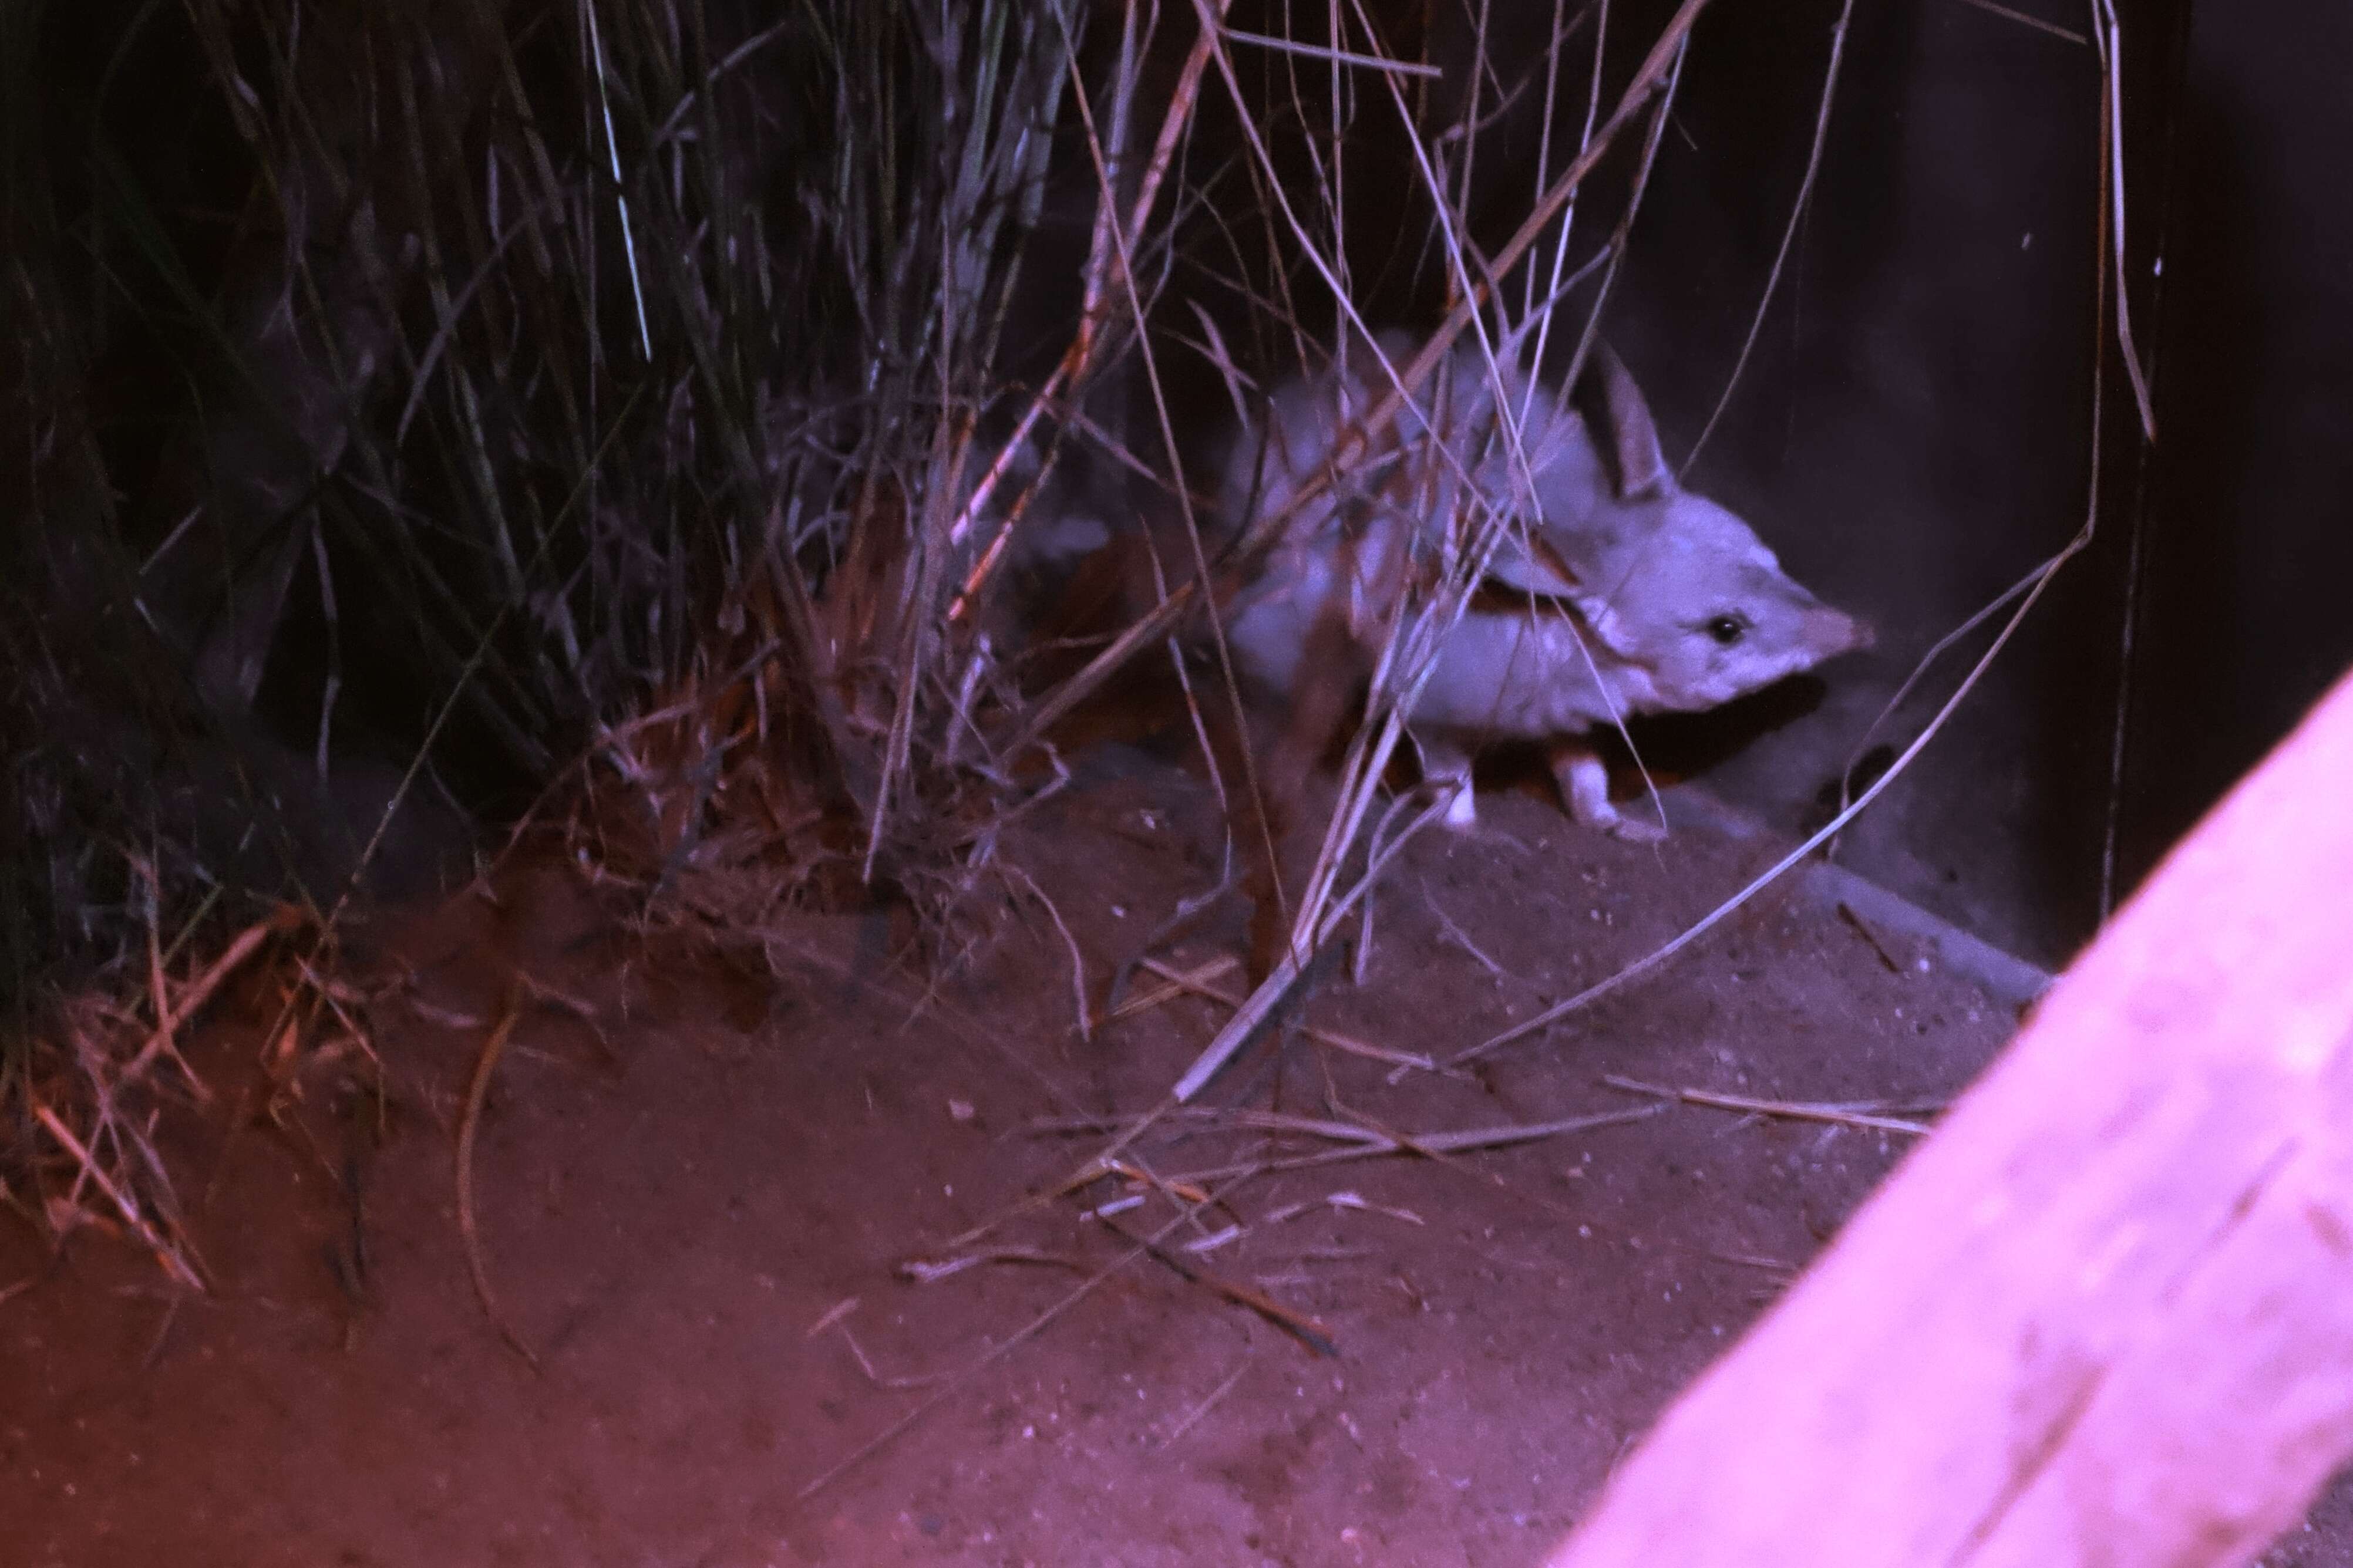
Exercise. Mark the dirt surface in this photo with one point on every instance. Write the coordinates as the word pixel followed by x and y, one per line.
pixel 701 1227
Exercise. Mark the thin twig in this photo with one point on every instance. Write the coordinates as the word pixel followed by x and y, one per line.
pixel 193 999
pixel 1196 982
pixel 167 1252
pixel 1183 982
pixel 1305 1330
pixel 1071 945
pixel 1336 57
pixel 1789 1110
pixel 1789 232
pixel 1459 937
pixel 980 1363
pixel 478 1090
pixel 1371 1144
pixel 2112 92
pixel 2053 29
pixel 159 990
pixel 1191 1417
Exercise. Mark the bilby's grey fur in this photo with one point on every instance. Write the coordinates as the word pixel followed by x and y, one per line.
pixel 1612 590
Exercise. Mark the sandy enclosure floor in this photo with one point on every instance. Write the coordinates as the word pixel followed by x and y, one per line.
pixel 703 1225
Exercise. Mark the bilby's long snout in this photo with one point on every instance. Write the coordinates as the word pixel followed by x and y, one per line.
pixel 1828 633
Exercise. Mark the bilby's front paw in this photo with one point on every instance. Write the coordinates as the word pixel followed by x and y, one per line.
pixel 1461 808
pixel 1585 789
pixel 1634 829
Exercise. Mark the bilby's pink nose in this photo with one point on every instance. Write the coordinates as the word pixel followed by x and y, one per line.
pixel 1833 632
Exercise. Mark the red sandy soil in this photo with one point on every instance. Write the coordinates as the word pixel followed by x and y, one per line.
pixel 698 1226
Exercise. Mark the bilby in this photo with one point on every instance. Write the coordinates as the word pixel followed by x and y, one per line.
pixel 1611 590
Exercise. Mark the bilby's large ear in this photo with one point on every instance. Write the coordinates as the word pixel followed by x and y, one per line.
pixel 1629 439
pixel 1531 562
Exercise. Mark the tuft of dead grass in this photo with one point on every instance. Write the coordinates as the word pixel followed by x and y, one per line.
pixel 631 410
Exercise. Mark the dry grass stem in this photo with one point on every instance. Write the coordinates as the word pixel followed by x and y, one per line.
pixel 171 1254
pixel 1367 1144
pixel 1305 1330
pixel 1196 983
pixel 469 1121
pixel 1789 234
pixel 1192 1417
pixel 232 958
pixel 1085 1018
pixel 1873 1117
pixel 2037 23
pixel 986 1359
pixel 1177 983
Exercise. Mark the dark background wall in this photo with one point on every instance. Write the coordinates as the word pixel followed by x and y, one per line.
pixel 2245 607
pixel 1912 430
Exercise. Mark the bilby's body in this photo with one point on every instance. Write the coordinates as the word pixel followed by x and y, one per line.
pixel 1611 591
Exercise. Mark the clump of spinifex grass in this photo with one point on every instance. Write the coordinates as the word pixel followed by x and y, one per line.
pixel 608 404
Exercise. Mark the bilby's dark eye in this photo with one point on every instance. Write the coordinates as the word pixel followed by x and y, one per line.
pixel 1727 629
